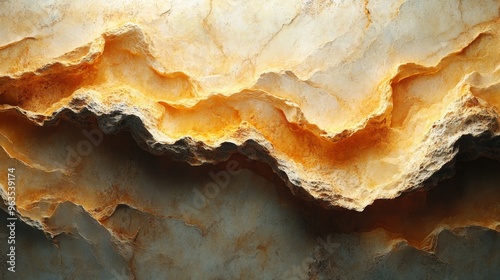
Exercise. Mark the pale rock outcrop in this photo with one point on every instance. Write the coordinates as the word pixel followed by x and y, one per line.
pixel 347 102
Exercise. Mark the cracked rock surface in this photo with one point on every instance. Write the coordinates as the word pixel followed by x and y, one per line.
pixel 252 139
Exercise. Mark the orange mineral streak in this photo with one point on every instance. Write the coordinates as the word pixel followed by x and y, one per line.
pixel 348 117
pixel 155 137
pixel 119 72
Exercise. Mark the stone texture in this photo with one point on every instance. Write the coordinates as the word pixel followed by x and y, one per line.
pixel 164 139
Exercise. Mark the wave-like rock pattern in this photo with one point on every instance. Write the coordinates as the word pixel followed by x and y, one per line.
pixel 350 104
pixel 344 146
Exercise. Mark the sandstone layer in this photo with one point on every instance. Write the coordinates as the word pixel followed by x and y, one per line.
pixel 131 125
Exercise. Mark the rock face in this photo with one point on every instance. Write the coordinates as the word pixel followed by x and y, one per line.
pixel 252 139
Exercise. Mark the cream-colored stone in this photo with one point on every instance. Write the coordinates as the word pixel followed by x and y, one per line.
pixel 361 109
pixel 348 102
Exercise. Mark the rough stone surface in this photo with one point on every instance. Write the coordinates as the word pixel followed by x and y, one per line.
pixel 252 139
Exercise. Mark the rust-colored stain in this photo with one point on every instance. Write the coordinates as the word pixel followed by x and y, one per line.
pixel 223 139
